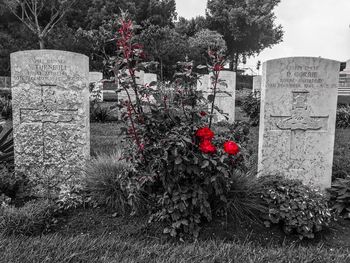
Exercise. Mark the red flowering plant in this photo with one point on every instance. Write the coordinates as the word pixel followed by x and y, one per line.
pixel 178 160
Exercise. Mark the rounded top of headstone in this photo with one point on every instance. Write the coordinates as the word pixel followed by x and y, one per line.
pixel 49 67
pixel 47 51
pixel 301 59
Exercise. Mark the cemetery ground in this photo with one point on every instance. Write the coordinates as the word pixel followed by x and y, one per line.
pixel 100 235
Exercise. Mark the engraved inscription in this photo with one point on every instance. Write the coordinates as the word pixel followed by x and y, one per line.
pixel 42 70
pixel 298 123
pixel 297 77
pixel 48 111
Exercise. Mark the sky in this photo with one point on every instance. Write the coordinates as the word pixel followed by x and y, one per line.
pixel 316 28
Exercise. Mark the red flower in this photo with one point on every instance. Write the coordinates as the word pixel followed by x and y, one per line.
pixel 203 113
pixel 207 147
pixel 231 147
pixel 205 133
pixel 218 67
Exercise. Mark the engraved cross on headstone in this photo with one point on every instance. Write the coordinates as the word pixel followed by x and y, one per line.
pixel 48 111
pixel 299 122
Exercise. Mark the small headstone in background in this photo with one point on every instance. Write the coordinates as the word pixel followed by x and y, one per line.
pixel 51 127
pixel 225 96
pixel 203 83
pixel 95 79
pixel 344 85
pixel 256 83
pixel 149 78
pixel 5 86
pixel 297 120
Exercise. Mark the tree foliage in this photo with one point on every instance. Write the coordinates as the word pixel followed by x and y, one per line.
pixel 203 41
pixel 143 12
pixel 39 16
pixel 247 26
pixel 164 45
pixel 189 27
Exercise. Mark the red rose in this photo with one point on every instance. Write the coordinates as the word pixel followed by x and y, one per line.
pixel 207 147
pixel 203 113
pixel 205 133
pixel 231 147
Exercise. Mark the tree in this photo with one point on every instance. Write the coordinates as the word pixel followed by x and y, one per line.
pixel 166 46
pixel 204 40
pixel 39 16
pixel 246 25
pixel 143 12
pixel 190 27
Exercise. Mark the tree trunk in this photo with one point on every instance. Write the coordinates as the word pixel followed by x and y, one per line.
pixel 231 65
pixel 41 43
pixel 236 62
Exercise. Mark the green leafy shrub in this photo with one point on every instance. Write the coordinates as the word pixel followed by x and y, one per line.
pixel 11 184
pixel 107 183
pixel 340 196
pixel 31 219
pixel 98 113
pixel 71 197
pixel 343 117
pixel 251 107
pixel 179 161
pixel 298 208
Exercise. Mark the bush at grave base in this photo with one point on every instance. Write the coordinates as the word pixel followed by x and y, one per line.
pixel 32 219
pixel 298 208
pixel 11 185
pixel 98 113
pixel 107 183
pixel 177 158
pixel 340 196
pixel 251 107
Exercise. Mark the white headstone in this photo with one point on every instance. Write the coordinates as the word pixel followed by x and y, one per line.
pixel 225 96
pixel 149 78
pixel 256 83
pixel 203 83
pixel 344 81
pixel 297 120
pixel 95 76
pixel 51 127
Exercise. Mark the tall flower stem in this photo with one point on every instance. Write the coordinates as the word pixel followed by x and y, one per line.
pixel 134 132
pixel 216 78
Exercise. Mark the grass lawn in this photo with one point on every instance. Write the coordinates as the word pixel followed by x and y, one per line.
pixel 94 235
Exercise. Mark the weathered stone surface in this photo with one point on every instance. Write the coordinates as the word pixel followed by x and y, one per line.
pixel 257 83
pixel 297 120
pixel 50 98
